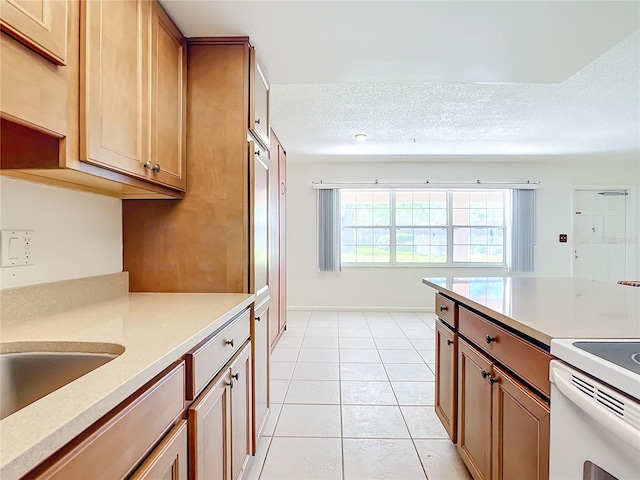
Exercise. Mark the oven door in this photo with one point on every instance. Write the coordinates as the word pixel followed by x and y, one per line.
pixel 595 431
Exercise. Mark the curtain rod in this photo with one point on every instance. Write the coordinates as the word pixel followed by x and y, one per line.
pixel 529 185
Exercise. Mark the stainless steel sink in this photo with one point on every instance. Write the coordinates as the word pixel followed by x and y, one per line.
pixel 28 376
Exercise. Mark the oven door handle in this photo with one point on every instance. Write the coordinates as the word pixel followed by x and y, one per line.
pixel 600 414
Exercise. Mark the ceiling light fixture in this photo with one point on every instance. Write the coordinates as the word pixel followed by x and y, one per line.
pixel 361 137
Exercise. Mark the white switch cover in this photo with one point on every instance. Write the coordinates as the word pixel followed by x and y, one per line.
pixel 17 248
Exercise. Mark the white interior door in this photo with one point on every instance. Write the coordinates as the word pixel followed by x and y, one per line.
pixel 599 232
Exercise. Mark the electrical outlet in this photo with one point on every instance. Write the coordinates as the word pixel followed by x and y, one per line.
pixel 17 248
pixel 563 238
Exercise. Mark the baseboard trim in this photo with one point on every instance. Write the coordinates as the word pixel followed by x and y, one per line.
pixel 324 308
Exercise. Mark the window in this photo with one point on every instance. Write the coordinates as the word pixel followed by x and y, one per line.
pixel 445 227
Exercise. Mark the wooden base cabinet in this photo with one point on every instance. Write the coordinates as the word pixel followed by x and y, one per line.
pixel 260 369
pixel 220 423
pixel 520 429
pixel 446 378
pixel 168 461
pixel 503 428
pixel 474 410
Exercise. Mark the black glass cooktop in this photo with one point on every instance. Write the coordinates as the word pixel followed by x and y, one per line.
pixel 623 354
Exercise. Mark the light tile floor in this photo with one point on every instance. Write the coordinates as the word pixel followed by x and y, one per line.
pixel 352 398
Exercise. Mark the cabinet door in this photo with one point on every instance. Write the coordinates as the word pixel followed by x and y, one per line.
pixel 282 224
pixel 474 410
pixel 520 431
pixel 259 192
pixel 40 24
pixel 446 378
pixel 241 404
pixel 114 79
pixel 210 432
pixel 260 370
pixel 258 101
pixel 168 461
pixel 274 239
pixel 168 62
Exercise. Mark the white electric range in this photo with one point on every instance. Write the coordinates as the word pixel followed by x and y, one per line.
pixel 595 409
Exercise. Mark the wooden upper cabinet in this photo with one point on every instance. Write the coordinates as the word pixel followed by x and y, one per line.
pixel 133 91
pixel 169 101
pixel 114 84
pixel 258 101
pixel 39 24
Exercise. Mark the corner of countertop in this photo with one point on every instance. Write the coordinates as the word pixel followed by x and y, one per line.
pixel 23 303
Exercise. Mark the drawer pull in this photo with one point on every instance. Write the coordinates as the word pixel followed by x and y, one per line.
pixel 230 342
pixel 493 380
pixel 443 308
pixel 489 339
pixel 258 121
pixel 257 319
pixel 485 374
pixel 236 376
pixel 449 342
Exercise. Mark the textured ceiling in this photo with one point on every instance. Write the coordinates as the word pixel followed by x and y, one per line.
pixel 459 78
pixel 595 110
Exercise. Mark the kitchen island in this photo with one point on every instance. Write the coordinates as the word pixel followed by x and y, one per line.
pixel 153 333
pixel 493 352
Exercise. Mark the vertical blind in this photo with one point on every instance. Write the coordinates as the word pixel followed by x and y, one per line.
pixel 329 229
pixel 522 231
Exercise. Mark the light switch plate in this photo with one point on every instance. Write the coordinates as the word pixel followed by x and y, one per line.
pixel 17 248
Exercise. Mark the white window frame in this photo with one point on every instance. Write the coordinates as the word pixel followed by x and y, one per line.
pixel 393 263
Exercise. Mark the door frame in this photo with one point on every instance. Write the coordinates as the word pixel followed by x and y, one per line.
pixel 632 241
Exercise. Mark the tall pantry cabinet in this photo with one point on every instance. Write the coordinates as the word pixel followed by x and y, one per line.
pixel 217 238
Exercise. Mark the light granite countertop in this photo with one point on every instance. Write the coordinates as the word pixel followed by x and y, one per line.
pixel 155 329
pixel 549 308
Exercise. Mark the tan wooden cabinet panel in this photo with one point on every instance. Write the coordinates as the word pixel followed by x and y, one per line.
pixel 520 431
pixel 446 378
pixel 474 410
pixel 114 84
pixel 260 369
pixel 259 123
pixel 241 413
pixel 259 201
pixel 277 240
pixel 210 431
pixel 39 24
pixel 168 461
pixel 169 102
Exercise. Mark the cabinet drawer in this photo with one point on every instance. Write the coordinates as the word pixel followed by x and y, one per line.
pixel 446 310
pixel 206 361
pixel 169 459
pixel 525 359
pixel 124 438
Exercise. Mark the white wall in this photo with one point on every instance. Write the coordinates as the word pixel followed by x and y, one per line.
pixel 401 288
pixel 77 234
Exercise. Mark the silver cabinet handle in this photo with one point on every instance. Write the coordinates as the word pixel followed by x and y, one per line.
pixel 147 165
pixel 156 168
pixel 230 342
